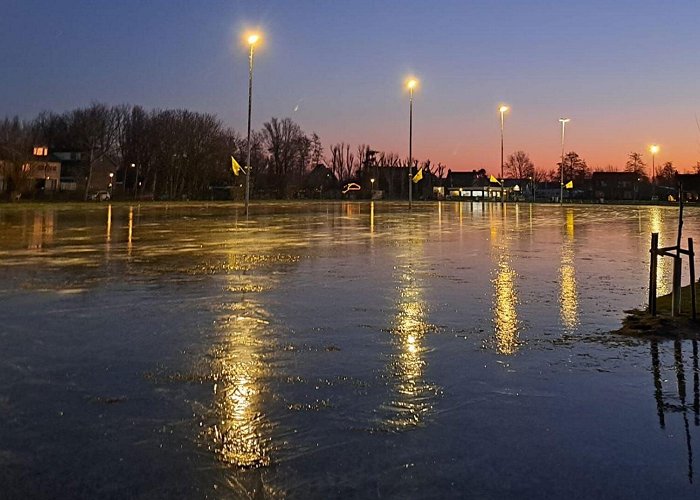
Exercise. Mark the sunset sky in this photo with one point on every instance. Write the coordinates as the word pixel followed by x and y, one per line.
pixel 627 73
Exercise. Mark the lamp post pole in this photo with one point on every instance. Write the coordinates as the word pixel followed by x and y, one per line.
pixel 136 180
pixel 252 39
pixel 502 110
pixel 654 149
pixel 411 85
pixel 563 122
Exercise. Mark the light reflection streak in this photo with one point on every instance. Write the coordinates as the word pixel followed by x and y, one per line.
pixel 237 367
pixel 568 293
pixel 42 229
pixel 664 268
pixel 505 299
pixel 109 223
pixel 412 397
pixel 131 231
pixel 371 217
pixel 239 434
pixel 37 231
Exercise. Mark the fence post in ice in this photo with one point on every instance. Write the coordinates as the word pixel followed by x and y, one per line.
pixel 676 290
pixel 691 266
pixel 652 272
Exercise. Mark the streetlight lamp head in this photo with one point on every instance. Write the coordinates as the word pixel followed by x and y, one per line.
pixel 411 83
pixel 133 165
pixel 503 109
pixel 253 38
pixel 654 149
pixel 564 120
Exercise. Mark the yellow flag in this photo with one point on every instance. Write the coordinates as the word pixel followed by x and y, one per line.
pixel 418 176
pixel 235 166
pixel 493 179
pixel 569 185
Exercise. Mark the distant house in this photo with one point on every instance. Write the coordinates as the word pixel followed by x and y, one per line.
pixel 690 184
pixel 458 180
pixel 476 185
pixel 616 185
pixel 35 176
pixel 320 180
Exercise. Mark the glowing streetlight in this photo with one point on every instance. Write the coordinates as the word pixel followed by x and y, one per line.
pixel 503 109
pixel 253 38
pixel 411 84
pixel 372 192
pixel 654 148
pixel 133 165
pixel 563 122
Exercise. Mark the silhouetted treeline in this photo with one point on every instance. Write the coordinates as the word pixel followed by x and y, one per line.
pixel 173 154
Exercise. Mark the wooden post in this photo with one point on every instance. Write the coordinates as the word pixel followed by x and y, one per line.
pixel 676 290
pixel 680 217
pixel 691 265
pixel 652 272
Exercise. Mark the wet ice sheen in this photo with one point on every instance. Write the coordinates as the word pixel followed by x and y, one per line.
pixel 338 349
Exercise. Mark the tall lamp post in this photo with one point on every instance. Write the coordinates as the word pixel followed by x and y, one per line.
pixel 502 110
pixel 252 40
pixel 654 148
pixel 136 180
pixel 410 84
pixel 563 122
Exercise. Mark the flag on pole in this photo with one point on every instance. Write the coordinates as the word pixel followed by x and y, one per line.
pixel 493 179
pixel 419 175
pixel 569 185
pixel 235 166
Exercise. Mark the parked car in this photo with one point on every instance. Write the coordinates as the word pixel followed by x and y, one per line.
pixel 101 196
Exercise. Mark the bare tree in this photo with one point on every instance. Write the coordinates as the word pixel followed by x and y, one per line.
pixel 666 175
pixel 343 162
pixel 519 165
pixel 390 160
pixel 350 165
pixel 438 170
pixel 288 147
pixel 636 164
pixel 16 140
pixel 363 156
pixel 316 150
pixel 94 131
pixel 575 168
pixel 337 159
